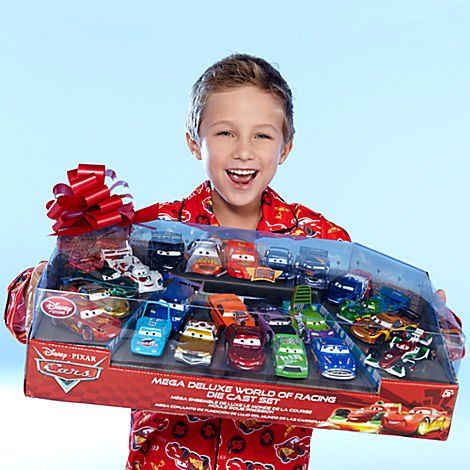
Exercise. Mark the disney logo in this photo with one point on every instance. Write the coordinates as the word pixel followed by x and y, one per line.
pixel 51 352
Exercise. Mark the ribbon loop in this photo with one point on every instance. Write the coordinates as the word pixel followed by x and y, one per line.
pixel 86 203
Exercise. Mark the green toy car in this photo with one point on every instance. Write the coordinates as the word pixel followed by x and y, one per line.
pixel 306 317
pixel 290 357
pixel 351 310
pixel 386 300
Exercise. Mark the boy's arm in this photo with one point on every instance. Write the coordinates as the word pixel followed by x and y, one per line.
pixel 20 301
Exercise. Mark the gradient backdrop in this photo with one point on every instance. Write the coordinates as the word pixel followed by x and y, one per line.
pixel 382 100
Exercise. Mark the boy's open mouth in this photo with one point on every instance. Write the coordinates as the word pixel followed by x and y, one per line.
pixel 241 177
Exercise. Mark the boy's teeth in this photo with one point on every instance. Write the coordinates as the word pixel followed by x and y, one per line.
pixel 242 172
pixel 241 176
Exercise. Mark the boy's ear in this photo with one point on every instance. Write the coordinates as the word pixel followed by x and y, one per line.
pixel 193 146
pixel 285 151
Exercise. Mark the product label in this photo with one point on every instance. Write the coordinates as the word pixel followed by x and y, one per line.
pixel 58 307
pixel 67 368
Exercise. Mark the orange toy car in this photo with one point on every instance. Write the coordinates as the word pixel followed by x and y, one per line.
pixel 228 309
pixel 379 328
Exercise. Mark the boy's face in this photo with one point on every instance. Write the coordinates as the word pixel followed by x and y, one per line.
pixel 241 143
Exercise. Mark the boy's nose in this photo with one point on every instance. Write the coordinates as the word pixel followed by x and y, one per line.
pixel 244 151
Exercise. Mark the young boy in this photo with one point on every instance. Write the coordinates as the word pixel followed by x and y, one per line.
pixel 240 126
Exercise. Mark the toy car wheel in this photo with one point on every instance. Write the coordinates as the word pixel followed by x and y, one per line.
pixel 305 337
pixel 373 352
pixel 423 427
pixel 380 340
pixel 299 450
pixel 378 417
pixel 342 412
pixel 87 334
pixel 205 462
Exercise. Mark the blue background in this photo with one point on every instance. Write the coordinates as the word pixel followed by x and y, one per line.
pixel 382 101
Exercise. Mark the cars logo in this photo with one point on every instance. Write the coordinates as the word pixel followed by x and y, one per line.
pixel 58 307
pixel 66 373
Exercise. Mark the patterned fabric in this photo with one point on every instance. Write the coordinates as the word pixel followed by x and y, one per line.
pixel 277 216
pixel 231 445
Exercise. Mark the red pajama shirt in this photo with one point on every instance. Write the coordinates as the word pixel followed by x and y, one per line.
pixel 187 442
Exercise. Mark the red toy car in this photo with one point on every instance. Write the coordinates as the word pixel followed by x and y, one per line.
pixel 374 412
pixel 245 347
pixel 292 448
pixel 90 322
pixel 420 420
pixel 240 257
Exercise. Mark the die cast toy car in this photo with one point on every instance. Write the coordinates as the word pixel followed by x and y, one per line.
pixel 280 259
pixel 312 267
pixel 333 358
pixel 386 300
pixel 380 328
pixel 240 257
pixel 90 322
pixel 227 309
pixel 402 353
pixel 177 299
pixel 166 251
pixel 349 287
pixel 152 330
pixel 245 347
pixel 290 356
pixel 306 318
pixel 205 257
pixel 197 343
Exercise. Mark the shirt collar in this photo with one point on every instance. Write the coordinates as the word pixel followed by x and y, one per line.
pixel 276 214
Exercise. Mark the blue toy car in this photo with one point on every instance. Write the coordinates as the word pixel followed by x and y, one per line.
pixel 393 300
pixel 333 358
pixel 349 287
pixel 280 259
pixel 151 335
pixel 176 300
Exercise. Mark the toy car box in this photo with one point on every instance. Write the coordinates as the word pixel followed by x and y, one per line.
pixel 222 322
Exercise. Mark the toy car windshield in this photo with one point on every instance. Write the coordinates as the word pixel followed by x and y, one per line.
pixel 146 332
pixel 168 253
pixel 243 257
pixel 247 341
pixel 334 349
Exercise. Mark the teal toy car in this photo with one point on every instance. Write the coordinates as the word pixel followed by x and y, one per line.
pixel 151 333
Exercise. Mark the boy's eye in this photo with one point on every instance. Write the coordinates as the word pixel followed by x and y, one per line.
pixel 263 136
pixel 224 133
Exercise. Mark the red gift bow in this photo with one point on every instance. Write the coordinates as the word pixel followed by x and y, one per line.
pixel 86 203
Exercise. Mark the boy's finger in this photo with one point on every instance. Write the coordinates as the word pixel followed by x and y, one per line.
pixel 442 294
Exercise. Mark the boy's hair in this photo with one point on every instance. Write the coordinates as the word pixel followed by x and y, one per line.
pixel 234 71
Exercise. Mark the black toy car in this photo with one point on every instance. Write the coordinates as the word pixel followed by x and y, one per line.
pixel 312 268
pixel 166 251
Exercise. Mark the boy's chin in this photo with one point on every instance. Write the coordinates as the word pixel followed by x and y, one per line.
pixel 245 200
